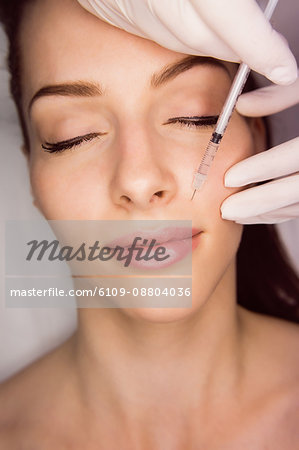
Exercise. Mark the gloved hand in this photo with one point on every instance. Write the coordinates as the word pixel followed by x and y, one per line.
pixel 278 200
pixel 231 30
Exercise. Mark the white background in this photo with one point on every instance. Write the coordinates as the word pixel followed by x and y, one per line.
pixel 26 334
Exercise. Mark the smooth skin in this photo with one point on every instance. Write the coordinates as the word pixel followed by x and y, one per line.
pixel 211 376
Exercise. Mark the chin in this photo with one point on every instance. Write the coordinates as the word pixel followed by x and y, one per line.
pixel 159 315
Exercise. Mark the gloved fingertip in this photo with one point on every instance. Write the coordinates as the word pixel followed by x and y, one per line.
pixel 242 103
pixel 231 181
pixel 284 75
pixel 225 213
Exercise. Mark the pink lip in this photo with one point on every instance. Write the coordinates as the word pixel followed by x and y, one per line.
pixel 175 240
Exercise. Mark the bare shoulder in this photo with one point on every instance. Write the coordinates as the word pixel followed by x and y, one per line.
pixel 274 371
pixel 30 396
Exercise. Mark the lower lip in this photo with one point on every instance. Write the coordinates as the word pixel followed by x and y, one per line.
pixel 177 250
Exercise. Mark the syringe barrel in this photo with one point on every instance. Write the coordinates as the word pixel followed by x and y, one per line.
pixel 208 157
pixel 205 164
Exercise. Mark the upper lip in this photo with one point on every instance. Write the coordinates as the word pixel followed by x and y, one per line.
pixel 161 236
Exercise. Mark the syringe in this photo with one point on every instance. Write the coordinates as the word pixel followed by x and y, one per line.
pixel 227 110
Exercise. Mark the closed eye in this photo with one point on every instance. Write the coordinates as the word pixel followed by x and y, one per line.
pixel 194 121
pixel 190 121
pixel 61 146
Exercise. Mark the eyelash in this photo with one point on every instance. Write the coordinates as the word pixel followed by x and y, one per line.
pixel 194 121
pixel 191 122
pixel 58 147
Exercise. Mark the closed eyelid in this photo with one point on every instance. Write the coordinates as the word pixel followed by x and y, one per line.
pixel 197 121
pixel 69 141
pixel 207 120
pixel 67 144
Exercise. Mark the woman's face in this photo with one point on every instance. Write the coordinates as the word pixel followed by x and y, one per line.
pixel 138 159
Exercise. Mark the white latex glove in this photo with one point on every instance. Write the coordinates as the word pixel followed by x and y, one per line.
pixel 231 30
pixel 278 200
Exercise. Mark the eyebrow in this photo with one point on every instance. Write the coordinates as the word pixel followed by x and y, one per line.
pixel 92 89
pixel 174 69
pixel 73 89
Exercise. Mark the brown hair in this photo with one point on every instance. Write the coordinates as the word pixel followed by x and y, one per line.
pixel 11 12
pixel 266 281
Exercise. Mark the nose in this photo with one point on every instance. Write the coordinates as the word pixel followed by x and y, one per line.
pixel 142 177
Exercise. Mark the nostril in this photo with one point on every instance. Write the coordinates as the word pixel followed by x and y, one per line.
pixel 126 198
pixel 157 194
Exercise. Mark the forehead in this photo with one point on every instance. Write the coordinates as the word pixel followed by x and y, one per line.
pixel 60 42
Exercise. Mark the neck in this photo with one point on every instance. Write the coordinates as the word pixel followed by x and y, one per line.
pixel 130 364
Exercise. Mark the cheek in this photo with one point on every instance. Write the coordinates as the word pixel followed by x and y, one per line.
pixel 220 241
pixel 237 144
pixel 62 191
